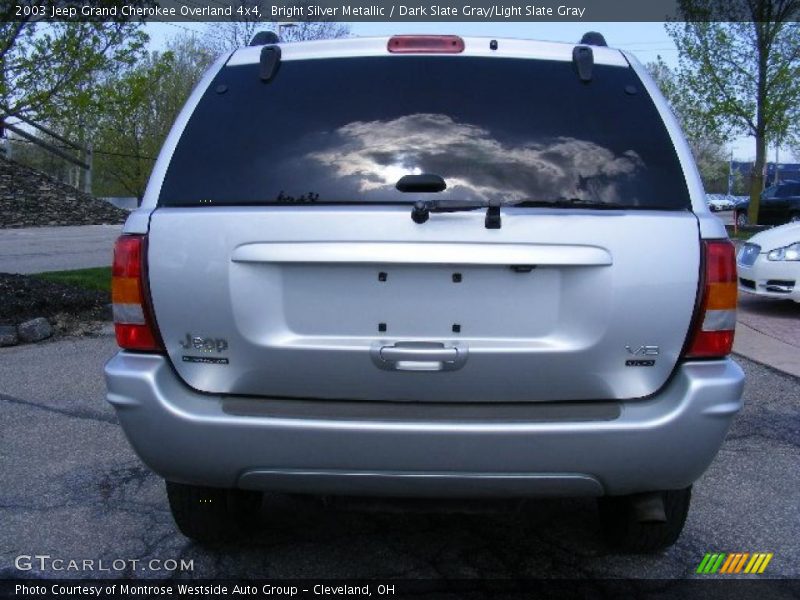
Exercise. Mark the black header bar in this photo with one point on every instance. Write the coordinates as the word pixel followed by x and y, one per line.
pixel 411 11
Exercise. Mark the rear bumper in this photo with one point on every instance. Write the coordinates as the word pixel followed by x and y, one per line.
pixel 664 442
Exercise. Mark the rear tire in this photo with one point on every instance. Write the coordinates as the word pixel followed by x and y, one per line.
pixel 623 532
pixel 207 514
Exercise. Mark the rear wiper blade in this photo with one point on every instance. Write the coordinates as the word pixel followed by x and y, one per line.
pixel 590 204
pixel 570 203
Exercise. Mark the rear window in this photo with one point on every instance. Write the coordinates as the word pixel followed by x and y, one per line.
pixel 346 130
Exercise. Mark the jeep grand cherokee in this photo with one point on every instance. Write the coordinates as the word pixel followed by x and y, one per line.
pixel 426 266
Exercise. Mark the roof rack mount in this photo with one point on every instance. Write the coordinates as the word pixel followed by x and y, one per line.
pixel 583 60
pixel 593 38
pixel 262 38
pixel 269 63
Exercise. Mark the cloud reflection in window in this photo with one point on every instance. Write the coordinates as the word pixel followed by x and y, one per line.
pixel 476 163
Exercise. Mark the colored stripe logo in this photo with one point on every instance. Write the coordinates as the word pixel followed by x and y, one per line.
pixel 736 562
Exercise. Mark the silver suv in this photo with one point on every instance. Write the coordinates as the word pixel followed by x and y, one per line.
pixel 426 266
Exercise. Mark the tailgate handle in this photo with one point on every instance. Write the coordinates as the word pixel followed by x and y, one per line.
pixel 419 356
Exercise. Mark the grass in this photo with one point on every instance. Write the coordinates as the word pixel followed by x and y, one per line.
pixel 98 278
pixel 740 235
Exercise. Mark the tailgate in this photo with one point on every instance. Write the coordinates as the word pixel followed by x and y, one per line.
pixel 344 302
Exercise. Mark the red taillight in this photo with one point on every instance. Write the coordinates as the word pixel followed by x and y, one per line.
pixel 133 321
pixel 437 44
pixel 715 321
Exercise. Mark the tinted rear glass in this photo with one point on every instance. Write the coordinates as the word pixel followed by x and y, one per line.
pixel 346 130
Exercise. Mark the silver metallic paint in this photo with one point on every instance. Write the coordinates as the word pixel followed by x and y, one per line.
pixel 663 442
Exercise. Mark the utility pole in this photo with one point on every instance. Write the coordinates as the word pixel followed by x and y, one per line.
pixel 87 180
pixel 730 175
pixel 775 178
pixel 5 147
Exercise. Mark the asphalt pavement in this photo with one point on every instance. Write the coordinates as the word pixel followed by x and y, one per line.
pixel 38 249
pixel 768 331
pixel 72 488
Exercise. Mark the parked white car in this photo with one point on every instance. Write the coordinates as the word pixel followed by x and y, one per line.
pixel 769 263
pixel 719 202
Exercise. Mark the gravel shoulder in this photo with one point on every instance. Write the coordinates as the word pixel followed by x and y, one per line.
pixel 70 310
pixel 30 198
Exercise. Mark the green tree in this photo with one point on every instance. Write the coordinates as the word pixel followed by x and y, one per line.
pixel 304 31
pixel 713 163
pixel 237 32
pixel 27 153
pixel 739 70
pixel 740 185
pixel 49 69
pixel 793 143
pixel 137 109
pixel 708 146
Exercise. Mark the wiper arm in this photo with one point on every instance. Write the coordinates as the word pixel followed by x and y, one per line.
pixel 422 209
pixel 454 205
pixel 430 182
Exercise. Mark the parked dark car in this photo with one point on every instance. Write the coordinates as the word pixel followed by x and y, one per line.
pixel 779 204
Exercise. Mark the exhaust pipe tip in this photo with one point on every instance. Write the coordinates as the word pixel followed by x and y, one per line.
pixel 649 507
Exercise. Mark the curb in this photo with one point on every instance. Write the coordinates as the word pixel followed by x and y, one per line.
pixel 766 350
